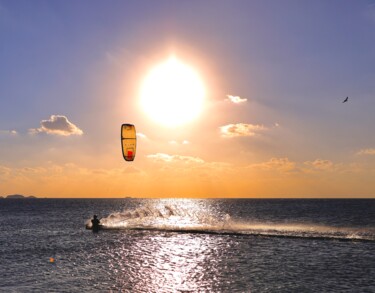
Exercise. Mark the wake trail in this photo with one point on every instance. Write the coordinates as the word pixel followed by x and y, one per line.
pixel 170 218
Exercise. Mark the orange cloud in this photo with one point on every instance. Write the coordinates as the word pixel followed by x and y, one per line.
pixel 320 164
pixel 366 152
pixel 276 164
pixel 241 129
pixel 160 157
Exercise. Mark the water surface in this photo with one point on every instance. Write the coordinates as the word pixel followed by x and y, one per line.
pixel 179 245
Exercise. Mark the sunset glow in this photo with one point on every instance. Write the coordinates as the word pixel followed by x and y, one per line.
pixel 172 93
pixel 228 98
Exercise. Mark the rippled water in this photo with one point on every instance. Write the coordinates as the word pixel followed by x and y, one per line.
pixel 188 246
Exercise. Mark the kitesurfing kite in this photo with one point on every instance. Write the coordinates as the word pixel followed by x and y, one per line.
pixel 347 98
pixel 128 141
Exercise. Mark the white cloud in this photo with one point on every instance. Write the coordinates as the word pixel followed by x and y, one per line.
pixel 59 125
pixel 160 157
pixel 184 142
pixel 241 129
pixel 366 152
pixel 236 99
pixel 141 135
pixel 8 132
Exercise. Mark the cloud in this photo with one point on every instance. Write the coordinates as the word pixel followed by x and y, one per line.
pixel 8 132
pixel 4 170
pixel 236 99
pixel 240 129
pixel 320 164
pixel 141 135
pixel 59 125
pixel 284 165
pixel 366 152
pixel 160 157
pixel 276 164
pixel 184 142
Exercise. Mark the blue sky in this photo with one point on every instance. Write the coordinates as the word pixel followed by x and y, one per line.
pixel 294 62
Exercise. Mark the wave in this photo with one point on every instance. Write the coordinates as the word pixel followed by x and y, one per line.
pixel 169 218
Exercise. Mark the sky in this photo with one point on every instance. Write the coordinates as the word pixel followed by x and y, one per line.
pixel 272 122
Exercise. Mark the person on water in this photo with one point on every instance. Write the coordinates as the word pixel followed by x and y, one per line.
pixel 95 224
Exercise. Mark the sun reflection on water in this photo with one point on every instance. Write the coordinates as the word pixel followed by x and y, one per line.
pixel 162 261
pixel 180 264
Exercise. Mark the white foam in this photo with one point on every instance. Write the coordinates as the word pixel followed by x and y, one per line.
pixel 172 218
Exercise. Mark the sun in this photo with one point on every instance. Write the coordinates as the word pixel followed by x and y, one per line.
pixel 172 93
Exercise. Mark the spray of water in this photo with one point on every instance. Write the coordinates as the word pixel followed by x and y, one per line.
pixel 177 219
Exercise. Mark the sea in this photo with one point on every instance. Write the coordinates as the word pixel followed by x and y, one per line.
pixel 187 245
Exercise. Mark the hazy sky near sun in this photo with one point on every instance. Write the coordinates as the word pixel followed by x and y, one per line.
pixel 273 123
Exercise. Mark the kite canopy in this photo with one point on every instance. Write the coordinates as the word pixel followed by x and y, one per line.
pixel 128 141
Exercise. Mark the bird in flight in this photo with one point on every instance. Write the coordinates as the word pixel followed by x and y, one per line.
pixel 347 98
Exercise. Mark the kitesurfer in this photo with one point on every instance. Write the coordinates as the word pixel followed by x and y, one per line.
pixel 95 224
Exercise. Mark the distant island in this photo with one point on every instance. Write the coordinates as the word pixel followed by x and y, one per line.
pixel 16 196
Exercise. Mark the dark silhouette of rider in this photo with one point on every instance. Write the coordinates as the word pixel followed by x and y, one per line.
pixel 95 224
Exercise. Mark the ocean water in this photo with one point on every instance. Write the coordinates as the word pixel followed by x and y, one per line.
pixel 183 245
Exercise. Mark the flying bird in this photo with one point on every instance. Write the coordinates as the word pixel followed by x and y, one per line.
pixel 347 98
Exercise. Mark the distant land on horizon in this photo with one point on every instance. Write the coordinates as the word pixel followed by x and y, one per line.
pixel 16 196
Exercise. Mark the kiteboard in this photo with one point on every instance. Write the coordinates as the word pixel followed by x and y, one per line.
pixel 89 227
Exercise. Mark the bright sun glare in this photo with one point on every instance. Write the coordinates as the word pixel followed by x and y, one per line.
pixel 172 93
